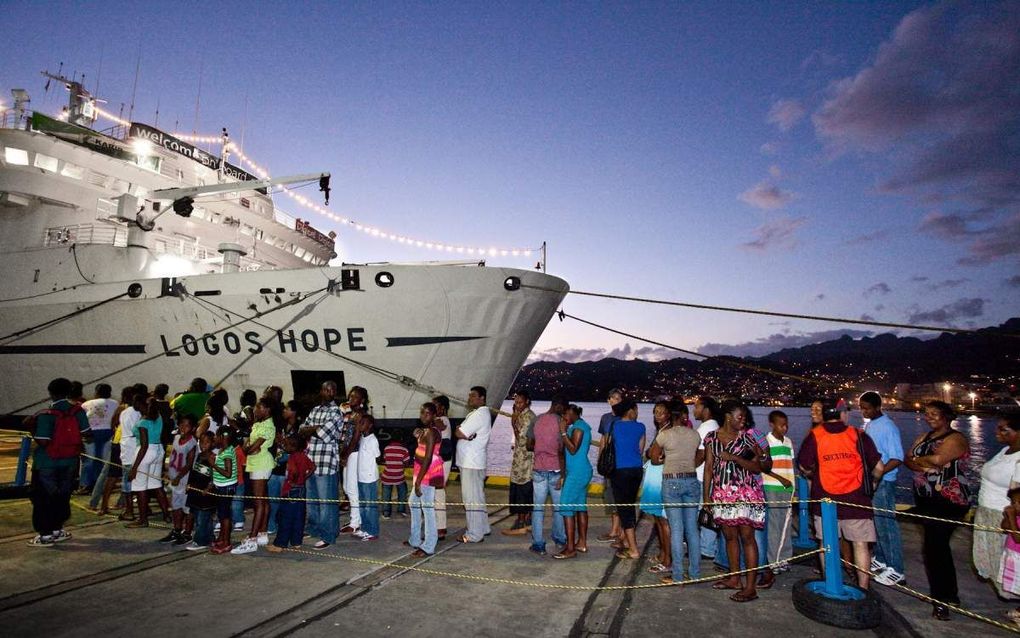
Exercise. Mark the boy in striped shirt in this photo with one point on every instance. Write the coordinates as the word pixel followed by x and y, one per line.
pixel 778 484
pixel 395 459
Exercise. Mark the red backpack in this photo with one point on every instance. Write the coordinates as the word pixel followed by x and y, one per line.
pixel 66 441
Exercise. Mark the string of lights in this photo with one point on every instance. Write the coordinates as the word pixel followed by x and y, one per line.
pixel 372 231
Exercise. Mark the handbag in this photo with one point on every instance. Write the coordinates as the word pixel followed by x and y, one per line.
pixel 705 519
pixel 606 464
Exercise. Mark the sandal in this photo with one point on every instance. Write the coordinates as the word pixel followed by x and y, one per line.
pixel 766 583
pixel 564 556
pixel 659 568
pixel 722 584
pixel 626 556
pixel 464 539
pixel 741 597
pixel 667 579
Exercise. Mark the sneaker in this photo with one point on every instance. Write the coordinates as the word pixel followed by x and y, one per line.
pixel 262 539
pixel 537 549
pixel 347 529
pixel 890 577
pixel 194 547
pixel 182 539
pixel 60 536
pixel 385 517
pixel 369 537
pixel 246 547
pixel 171 537
pixel 359 534
pixel 877 566
pixel 404 514
pixel 41 541
pixel 238 527
pixel 216 528
pixel 321 545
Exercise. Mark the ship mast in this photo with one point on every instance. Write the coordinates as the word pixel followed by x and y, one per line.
pixel 81 108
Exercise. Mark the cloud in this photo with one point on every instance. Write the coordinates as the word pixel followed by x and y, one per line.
pixel 918 278
pixel 819 58
pixel 867 317
pixel 576 355
pixel 785 114
pixel 965 308
pixel 775 171
pixel 775 342
pixel 767 196
pixel 869 237
pixel 879 307
pixel 881 288
pixel 778 232
pixel 947 283
pixel 1014 281
pixel 987 241
pixel 940 100
pixel 820 296
pixel 769 148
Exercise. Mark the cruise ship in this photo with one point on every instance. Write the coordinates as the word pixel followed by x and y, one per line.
pixel 131 255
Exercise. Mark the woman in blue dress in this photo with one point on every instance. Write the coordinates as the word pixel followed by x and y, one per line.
pixel 651 495
pixel 576 435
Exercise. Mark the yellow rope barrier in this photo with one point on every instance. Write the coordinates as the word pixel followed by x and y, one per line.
pixel 916 594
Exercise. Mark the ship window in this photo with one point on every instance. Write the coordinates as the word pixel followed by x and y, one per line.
pixel 160 245
pixel 16 156
pixel 72 170
pixel 198 212
pixel 247 229
pixel 245 202
pixel 98 179
pixel 299 252
pixel 46 162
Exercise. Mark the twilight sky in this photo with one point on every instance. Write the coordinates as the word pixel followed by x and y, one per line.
pixel 852 159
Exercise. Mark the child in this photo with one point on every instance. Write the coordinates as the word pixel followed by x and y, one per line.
pixel 290 523
pixel 778 486
pixel 201 502
pixel 182 457
pixel 259 465
pixel 395 459
pixel 368 479
pixel 225 471
pixel 1009 565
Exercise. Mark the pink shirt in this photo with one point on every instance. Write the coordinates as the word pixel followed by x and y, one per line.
pixel 546 432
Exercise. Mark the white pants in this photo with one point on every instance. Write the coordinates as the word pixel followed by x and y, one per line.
pixel 441 497
pixel 351 488
pixel 472 486
pixel 150 470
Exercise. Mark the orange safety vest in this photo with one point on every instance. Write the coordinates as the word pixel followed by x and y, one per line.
pixel 840 466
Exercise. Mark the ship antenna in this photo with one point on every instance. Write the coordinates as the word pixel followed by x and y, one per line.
pixel 99 73
pixel 134 88
pixel 198 98
pixel 156 123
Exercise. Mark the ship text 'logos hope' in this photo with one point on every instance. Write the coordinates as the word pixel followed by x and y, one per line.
pixel 253 342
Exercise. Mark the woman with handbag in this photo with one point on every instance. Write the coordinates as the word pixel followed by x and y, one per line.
pixel 939 460
pixel 731 465
pixel 627 444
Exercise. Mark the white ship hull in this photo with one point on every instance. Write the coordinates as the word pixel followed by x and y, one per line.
pixel 436 329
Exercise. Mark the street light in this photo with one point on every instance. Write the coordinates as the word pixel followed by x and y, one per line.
pixel 949 396
pixel 973 397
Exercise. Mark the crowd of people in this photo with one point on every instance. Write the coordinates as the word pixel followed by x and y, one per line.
pixel 715 487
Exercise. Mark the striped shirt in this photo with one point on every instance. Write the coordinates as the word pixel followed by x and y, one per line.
pixel 782 464
pixel 395 458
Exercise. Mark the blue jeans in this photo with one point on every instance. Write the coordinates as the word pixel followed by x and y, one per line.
pixel 369 510
pixel 709 537
pixel 423 513
pixel 291 524
pixel 545 485
pixel 889 548
pixel 203 526
pixel 237 505
pixel 99 447
pixel 273 491
pixel 323 518
pixel 387 495
pixel 683 523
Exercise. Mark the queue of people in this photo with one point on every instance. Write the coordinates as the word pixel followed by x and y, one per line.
pixel 718 490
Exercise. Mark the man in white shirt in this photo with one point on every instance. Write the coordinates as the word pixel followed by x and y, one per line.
pixel 471 458
pixel 705 409
pixel 100 414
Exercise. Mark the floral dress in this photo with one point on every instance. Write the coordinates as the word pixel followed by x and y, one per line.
pixel 948 482
pixel 737 492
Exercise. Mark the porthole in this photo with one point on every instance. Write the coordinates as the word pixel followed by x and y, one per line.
pixel 512 283
pixel 384 279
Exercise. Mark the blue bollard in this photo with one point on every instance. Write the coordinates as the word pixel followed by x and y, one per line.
pixel 22 470
pixel 832 587
pixel 803 539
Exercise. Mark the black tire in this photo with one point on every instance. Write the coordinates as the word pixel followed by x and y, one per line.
pixel 846 614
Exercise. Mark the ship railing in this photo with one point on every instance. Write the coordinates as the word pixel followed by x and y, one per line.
pixel 84 234
pixel 11 118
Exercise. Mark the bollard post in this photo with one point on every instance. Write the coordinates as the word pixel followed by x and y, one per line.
pixel 830 543
pixel 803 539
pixel 22 470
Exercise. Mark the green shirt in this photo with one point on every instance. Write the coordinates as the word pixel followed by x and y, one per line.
pixel 44 427
pixel 192 403
pixel 221 466
pixel 263 460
